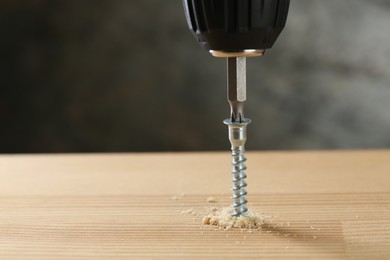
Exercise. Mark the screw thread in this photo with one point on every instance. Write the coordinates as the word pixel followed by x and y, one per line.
pixel 239 184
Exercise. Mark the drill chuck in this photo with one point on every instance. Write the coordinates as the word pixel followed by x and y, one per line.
pixel 242 27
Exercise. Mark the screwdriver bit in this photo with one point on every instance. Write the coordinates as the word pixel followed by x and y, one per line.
pixel 236 83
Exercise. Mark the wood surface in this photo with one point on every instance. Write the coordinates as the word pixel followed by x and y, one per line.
pixel 333 204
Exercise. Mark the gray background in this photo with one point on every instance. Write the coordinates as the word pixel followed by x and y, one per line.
pixel 95 76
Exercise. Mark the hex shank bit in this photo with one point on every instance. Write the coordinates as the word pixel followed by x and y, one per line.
pixel 236 85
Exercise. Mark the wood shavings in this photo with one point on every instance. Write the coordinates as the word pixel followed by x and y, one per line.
pixel 224 220
pixel 174 198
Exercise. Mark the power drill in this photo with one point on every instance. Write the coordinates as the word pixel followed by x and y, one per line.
pixel 236 29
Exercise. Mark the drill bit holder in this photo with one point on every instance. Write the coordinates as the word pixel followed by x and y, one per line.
pixel 236 25
pixel 234 54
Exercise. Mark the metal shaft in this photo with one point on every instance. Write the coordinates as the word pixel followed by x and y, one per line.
pixel 236 67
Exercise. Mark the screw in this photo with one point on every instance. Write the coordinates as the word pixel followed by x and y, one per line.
pixel 237 138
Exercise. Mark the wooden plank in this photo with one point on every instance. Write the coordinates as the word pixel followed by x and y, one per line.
pixel 320 204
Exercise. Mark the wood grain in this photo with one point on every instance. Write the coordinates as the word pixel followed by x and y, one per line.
pixel 120 206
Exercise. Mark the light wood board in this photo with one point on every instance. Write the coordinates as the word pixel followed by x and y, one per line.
pixel 107 206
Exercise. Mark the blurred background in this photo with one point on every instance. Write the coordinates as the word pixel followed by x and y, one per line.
pixel 112 76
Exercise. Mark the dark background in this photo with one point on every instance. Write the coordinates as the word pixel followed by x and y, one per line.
pixel 97 76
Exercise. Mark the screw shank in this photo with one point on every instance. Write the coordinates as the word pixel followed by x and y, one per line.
pixel 237 132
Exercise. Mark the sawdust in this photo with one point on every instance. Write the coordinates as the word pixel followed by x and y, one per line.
pixel 211 200
pixel 189 211
pixel 224 220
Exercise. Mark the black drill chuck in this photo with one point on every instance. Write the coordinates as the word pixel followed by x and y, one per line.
pixel 236 25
